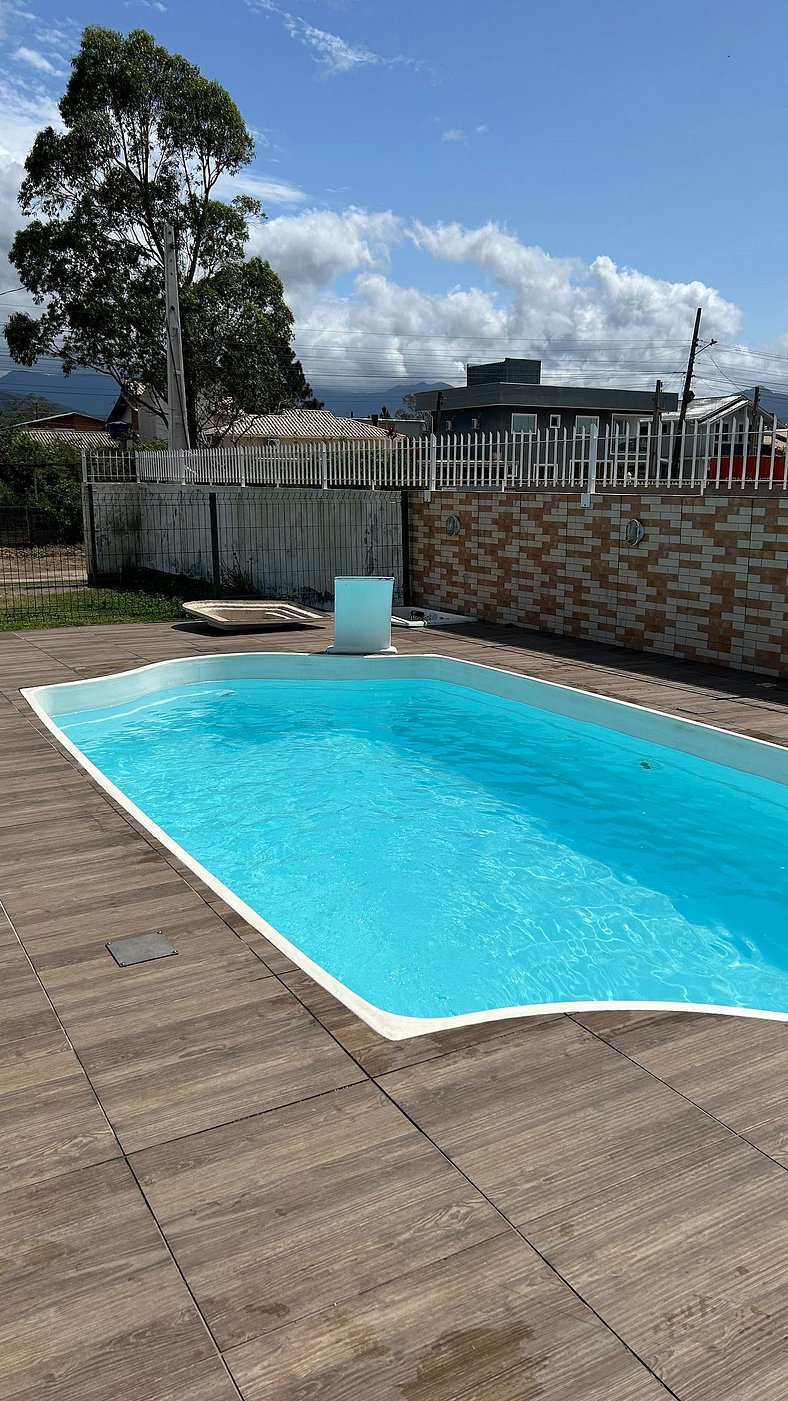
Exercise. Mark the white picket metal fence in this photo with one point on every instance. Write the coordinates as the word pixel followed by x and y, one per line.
pixel 724 455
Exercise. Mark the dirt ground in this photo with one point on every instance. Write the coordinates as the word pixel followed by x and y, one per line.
pixel 42 566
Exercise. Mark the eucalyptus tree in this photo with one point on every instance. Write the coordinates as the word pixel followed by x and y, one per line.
pixel 146 140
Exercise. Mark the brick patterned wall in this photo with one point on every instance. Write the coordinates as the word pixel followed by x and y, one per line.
pixel 707 582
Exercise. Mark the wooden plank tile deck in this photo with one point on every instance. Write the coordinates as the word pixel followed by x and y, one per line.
pixel 215 1182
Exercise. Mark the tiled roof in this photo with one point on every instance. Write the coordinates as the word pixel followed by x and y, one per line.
pixel 702 409
pixel 304 424
pixel 91 439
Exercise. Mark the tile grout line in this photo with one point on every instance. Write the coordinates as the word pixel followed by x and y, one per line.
pixel 123 1158
pixel 508 1225
pixel 522 1236
pixel 673 1089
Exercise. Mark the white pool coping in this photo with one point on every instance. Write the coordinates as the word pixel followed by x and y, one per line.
pixel 751 756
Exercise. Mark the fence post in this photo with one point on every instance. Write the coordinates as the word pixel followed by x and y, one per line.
pixel 216 564
pixel 404 519
pixel 324 466
pixel 433 475
pixel 587 496
pixel 89 527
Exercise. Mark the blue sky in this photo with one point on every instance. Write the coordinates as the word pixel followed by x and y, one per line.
pixel 448 182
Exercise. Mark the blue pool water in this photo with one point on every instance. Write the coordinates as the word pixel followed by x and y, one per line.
pixel 440 851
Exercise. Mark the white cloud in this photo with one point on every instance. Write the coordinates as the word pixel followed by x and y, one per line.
pixel 10 180
pixel 585 320
pixel 36 60
pixel 23 113
pixel 332 53
pixel 311 250
pixel 9 12
pixel 147 5
pixel 460 135
pixel 266 188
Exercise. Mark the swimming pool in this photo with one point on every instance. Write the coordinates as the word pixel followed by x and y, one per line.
pixel 440 843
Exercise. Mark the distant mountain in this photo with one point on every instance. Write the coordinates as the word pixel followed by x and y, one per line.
pixel 772 403
pixel 95 394
pixel 84 391
pixel 24 407
pixel 359 403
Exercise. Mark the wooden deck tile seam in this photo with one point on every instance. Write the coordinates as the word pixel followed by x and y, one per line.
pixel 122 1156
pixel 638 1065
pixel 509 1225
pixel 521 1234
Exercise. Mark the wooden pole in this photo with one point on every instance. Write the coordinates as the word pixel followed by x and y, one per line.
pixel 178 429
pixel 656 433
pixel 687 396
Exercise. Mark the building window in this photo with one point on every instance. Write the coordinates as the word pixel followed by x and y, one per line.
pixel 523 422
pixel 585 422
pixel 555 420
pixel 621 427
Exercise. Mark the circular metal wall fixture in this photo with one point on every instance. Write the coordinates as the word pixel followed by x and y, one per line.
pixel 634 532
pixel 452 525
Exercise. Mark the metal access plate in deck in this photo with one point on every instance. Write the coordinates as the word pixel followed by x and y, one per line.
pixel 141 948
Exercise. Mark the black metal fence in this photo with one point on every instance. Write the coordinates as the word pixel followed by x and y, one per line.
pixel 136 553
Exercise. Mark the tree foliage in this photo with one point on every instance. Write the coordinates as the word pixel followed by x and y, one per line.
pixel 146 141
pixel 409 409
pixel 34 474
pixel 237 329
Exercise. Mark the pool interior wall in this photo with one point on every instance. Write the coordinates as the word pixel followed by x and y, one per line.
pixel 734 751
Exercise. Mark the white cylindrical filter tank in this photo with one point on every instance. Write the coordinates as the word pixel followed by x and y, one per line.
pixel 362 616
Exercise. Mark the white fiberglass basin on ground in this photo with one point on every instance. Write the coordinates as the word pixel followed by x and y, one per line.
pixel 439 843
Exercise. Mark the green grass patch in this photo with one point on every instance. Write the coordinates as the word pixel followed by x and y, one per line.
pixel 81 607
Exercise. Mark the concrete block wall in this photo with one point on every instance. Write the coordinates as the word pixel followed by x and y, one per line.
pixel 288 543
pixel 707 581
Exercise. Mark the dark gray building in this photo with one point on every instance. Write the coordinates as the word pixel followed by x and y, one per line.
pixel 509 397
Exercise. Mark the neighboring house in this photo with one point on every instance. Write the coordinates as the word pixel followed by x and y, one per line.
pixel 69 418
pixel 137 423
pixel 509 397
pixel 721 427
pixel 725 409
pixel 80 430
pixel 123 425
pixel 304 426
pixel 404 427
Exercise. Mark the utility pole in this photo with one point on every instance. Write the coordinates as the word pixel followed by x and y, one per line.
pixel 656 433
pixel 436 413
pixel 178 428
pixel 687 396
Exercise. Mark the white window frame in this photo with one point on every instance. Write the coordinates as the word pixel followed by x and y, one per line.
pixel 526 432
pixel 555 420
pixel 591 421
